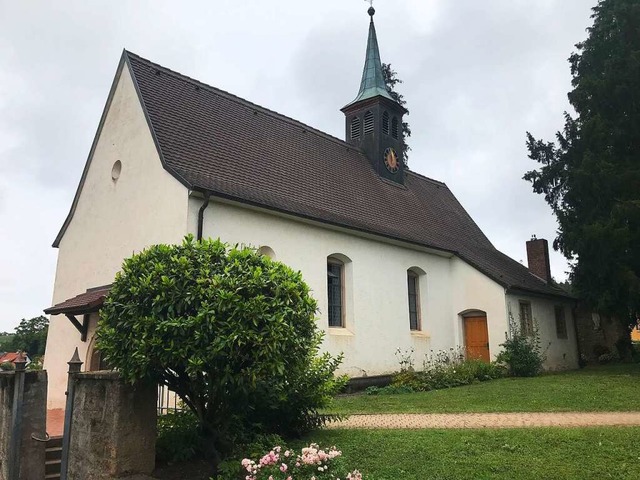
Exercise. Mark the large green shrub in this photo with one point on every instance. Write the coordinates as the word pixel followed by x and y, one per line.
pixel 522 353
pixel 232 332
pixel 178 437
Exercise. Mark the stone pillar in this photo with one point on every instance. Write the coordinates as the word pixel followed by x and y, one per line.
pixel 113 429
pixel 33 422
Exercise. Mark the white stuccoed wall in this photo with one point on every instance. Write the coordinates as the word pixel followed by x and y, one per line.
pixel 472 290
pixel 145 206
pixel 377 307
pixel 561 354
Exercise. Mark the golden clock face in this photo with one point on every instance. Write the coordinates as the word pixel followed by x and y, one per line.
pixel 391 160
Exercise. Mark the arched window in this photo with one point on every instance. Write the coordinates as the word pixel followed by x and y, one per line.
pixel 355 128
pixel 339 293
pixel 267 252
pixel 368 123
pixel 394 127
pixel 335 289
pixel 414 274
pixel 385 123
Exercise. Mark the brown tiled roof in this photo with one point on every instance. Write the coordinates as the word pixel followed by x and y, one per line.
pixel 9 357
pixel 213 141
pixel 87 302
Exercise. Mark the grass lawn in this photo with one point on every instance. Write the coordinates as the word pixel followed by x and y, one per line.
pixel 580 453
pixel 602 388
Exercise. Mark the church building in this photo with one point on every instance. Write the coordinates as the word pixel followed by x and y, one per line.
pixel 392 257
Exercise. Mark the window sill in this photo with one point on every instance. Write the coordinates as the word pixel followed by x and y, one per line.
pixel 420 334
pixel 340 332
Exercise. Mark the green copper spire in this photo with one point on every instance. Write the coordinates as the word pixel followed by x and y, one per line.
pixel 372 83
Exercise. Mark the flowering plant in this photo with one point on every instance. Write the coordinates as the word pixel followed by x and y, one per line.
pixel 313 463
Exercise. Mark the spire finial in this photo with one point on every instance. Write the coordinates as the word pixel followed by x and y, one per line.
pixel 371 11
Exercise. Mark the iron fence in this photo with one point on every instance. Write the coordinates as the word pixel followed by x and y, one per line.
pixel 168 401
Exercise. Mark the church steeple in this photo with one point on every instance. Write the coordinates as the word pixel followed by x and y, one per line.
pixel 374 118
pixel 372 83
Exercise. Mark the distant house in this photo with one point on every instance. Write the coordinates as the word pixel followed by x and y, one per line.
pixel 392 257
pixel 11 357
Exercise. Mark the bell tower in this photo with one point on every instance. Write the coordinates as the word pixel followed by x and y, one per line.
pixel 374 119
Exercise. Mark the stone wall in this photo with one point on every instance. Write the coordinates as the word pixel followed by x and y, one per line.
pixel 113 428
pixel 34 413
pixel 597 334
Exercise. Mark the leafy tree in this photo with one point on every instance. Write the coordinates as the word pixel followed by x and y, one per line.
pixel 566 286
pixel 30 336
pixel 591 175
pixel 391 80
pixel 6 340
pixel 232 332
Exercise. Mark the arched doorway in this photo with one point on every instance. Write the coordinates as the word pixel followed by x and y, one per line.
pixel 95 361
pixel 476 335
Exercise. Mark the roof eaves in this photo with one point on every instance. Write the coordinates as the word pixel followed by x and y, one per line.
pixel 559 293
pixel 91 307
pixel 244 201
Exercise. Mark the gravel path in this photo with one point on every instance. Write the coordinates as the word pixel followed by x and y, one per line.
pixel 490 420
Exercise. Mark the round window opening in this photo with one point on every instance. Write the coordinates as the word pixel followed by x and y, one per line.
pixel 115 171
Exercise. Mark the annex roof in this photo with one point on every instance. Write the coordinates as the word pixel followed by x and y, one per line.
pixel 87 302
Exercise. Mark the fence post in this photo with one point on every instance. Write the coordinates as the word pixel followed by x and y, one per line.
pixel 16 418
pixel 75 364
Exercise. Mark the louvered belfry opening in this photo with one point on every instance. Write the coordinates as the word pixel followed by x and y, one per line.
pixel 385 123
pixel 355 128
pixel 368 123
pixel 394 127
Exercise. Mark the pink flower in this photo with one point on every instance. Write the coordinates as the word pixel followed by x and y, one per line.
pixel 283 467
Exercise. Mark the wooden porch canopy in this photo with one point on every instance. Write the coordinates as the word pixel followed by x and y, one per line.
pixel 83 304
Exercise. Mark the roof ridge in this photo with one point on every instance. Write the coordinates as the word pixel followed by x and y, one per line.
pixel 245 102
pixel 424 177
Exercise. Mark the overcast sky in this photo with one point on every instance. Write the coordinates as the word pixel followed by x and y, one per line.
pixel 477 76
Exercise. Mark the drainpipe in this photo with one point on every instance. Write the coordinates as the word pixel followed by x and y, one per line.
pixel 204 206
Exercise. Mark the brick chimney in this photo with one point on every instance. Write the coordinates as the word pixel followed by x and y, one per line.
pixel 538 258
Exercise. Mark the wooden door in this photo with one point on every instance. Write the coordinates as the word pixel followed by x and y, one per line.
pixel 476 338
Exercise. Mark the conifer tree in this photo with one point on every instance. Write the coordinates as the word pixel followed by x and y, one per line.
pixel 391 80
pixel 590 176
